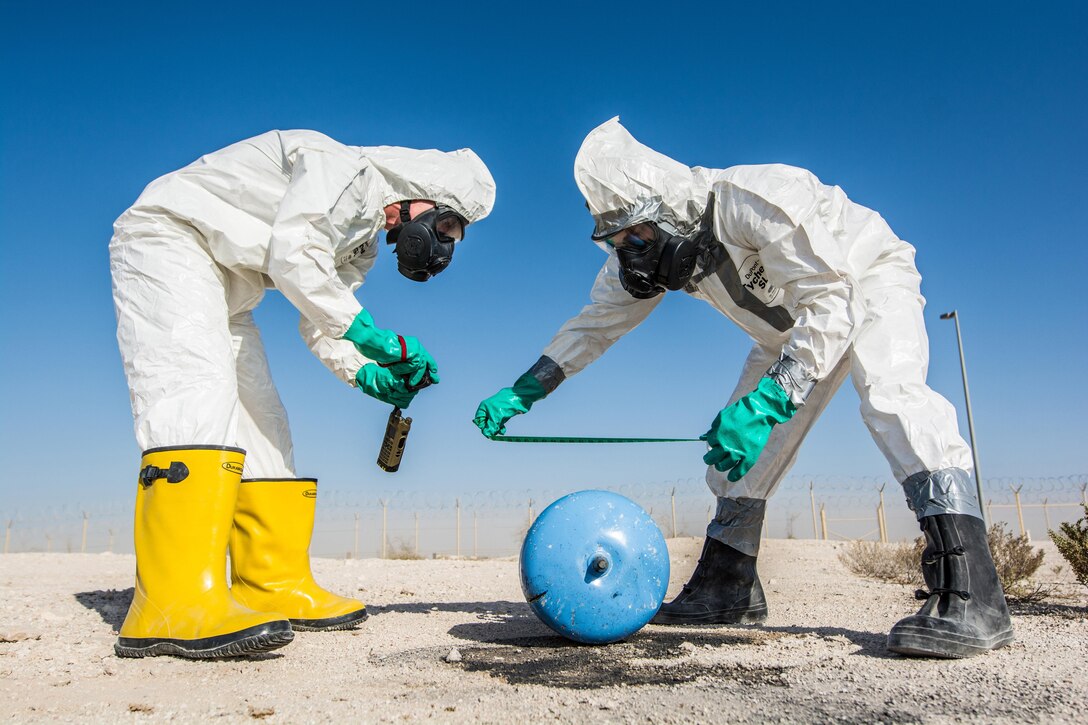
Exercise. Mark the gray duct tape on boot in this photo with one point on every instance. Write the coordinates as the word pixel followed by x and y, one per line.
pixel 946 491
pixel 738 523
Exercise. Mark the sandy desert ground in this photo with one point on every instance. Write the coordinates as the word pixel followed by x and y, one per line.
pixel 819 658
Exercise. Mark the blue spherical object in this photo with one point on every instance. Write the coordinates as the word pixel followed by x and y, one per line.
pixel 594 567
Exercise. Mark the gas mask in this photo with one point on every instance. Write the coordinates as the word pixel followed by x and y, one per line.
pixel 424 245
pixel 654 258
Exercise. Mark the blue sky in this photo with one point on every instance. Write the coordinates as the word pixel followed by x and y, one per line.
pixel 963 124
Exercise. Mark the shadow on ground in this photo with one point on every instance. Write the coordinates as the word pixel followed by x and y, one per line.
pixel 503 621
pixel 496 620
pixel 498 608
pixel 665 658
pixel 870 644
pixel 111 604
pixel 1040 609
pixel 519 649
pixel 646 658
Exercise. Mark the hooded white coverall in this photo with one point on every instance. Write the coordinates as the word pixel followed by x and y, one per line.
pixel 293 210
pixel 817 281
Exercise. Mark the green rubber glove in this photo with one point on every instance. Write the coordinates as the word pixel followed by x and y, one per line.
pixel 382 384
pixel 493 412
pixel 740 431
pixel 404 356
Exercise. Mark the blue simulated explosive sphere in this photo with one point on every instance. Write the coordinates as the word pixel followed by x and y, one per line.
pixel 594 567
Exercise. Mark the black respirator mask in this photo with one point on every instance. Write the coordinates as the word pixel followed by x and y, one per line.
pixel 424 245
pixel 666 261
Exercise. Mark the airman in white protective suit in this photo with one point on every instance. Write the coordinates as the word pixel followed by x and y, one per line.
pixel 825 289
pixel 298 212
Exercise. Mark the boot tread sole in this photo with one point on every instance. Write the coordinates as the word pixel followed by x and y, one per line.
pixel 237 644
pixel 922 642
pixel 723 616
pixel 351 620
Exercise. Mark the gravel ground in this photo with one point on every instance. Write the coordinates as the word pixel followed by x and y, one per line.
pixel 454 641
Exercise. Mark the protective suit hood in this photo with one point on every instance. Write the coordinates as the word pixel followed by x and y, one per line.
pixel 457 179
pixel 625 182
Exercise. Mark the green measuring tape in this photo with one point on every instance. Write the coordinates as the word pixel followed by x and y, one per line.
pixel 573 439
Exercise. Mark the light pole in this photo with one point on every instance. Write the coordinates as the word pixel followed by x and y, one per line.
pixel 970 422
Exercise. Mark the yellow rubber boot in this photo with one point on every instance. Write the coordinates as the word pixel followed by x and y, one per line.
pixel 182 606
pixel 270 556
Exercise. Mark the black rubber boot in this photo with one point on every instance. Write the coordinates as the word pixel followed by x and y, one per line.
pixel 965 612
pixel 724 589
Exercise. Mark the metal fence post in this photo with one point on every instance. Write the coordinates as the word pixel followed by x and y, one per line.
pixel 385 505
pixel 83 539
pixel 674 496
pixel 823 520
pixel 7 536
pixel 457 507
pixel 812 499
pixel 881 523
pixel 355 548
pixel 417 533
pixel 1019 511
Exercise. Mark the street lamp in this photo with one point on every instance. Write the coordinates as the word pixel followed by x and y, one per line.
pixel 970 422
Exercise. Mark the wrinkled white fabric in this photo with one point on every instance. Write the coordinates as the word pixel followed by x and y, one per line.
pixel 616 173
pixel 290 210
pixel 299 208
pixel 798 247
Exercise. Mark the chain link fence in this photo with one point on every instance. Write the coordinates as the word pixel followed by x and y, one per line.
pixel 410 524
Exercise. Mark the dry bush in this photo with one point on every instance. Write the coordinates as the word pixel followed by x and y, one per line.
pixel 1016 562
pixel 900 563
pixel 1072 543
pixel 897 562
pixel 401 550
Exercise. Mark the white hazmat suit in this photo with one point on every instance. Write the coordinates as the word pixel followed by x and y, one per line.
pixel 825 289
pixel 821 284
pixel 293 210
pixel 299 212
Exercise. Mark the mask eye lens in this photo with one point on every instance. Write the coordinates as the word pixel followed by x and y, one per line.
pixel 451 226
pixel 627 239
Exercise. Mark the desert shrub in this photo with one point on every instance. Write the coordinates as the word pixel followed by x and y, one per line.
pixel 900 563
pixel 401 550
pixel 1072 543
pixel 1016 562
pixel 897 562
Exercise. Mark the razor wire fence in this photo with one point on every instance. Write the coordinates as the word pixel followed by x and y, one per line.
pixel 492 523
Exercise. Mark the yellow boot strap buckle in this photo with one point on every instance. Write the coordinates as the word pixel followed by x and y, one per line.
pixel 176 473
